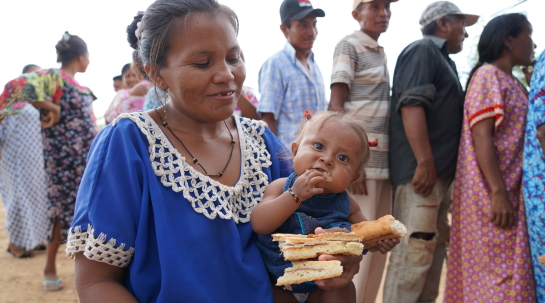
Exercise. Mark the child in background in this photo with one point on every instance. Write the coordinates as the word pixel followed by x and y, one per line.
pixel 332 144
pixel 131 98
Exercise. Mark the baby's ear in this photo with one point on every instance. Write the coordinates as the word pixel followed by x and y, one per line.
pixel 356 177
pixel 294 148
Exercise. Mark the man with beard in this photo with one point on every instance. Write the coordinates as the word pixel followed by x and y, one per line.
pixel 290 81
pixel 426 121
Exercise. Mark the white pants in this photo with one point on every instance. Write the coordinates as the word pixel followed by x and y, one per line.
pixel 376 204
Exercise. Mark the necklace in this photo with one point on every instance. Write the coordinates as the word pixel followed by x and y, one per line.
pixel 165 124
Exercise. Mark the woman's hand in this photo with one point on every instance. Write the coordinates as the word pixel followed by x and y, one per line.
pixel 52 117
pixel 351 265
pixel 502 213
pixel 305 185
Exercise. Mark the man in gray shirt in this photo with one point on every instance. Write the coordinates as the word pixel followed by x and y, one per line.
pixel 425 125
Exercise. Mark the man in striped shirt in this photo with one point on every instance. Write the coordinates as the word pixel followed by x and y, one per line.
pixel 360 82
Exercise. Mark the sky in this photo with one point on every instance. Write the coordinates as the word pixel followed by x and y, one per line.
pixel 30 29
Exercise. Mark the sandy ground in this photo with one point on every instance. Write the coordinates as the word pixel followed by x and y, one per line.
pixel 20 280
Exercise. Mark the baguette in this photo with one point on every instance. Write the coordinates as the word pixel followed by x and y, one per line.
pixel 386 227
pixel 303 271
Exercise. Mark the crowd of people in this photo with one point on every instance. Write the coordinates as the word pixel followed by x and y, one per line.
pixel 176 199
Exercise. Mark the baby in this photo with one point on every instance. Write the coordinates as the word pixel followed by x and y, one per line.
pixel 332 146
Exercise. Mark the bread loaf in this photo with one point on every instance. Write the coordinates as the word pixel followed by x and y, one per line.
pixel 386 227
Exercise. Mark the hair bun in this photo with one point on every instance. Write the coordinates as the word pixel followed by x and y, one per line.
pixel 63 45
pixel 132 36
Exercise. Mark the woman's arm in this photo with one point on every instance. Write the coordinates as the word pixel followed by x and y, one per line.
pixel 52 117
pixel 277 206
pixel 501 207
pixel 247 108
pixel 100 282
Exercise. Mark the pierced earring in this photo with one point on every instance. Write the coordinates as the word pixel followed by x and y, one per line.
pixel 165 98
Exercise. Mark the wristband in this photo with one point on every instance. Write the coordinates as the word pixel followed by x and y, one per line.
pixel 297 200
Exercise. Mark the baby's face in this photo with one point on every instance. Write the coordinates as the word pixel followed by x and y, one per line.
pixel 335 149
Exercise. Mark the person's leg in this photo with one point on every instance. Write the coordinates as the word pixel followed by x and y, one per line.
pixel 50 271
pixel 373 206
pixel 368 206
pixel 433 278
pixel 412 258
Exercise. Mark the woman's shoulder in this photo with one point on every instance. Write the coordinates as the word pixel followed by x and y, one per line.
pixel 489 71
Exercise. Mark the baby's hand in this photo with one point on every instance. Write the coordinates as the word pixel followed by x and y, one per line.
pixel 385 246
pixel 305 185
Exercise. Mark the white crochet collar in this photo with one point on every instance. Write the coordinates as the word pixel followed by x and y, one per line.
pixel 207 196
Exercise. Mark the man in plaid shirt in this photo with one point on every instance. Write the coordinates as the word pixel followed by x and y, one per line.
pixel 290 81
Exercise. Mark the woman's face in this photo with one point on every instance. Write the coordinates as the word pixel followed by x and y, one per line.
pixel 131 77
pixel 84 62
pixel 523 46
pixel 203 71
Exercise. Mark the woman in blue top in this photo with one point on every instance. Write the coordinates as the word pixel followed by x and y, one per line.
pixel 164 205
pixel 533 168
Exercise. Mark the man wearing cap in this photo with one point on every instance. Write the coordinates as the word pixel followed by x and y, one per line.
pixel 290 81
pixel 425 125
pixel 360 81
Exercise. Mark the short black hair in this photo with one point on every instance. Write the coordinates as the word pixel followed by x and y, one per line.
pixel 28 67
pixel 117 78
pixel 430 29
pixel 125 68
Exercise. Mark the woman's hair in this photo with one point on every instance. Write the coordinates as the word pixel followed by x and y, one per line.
pixel 159 22
pixel 70 47
pixel 125 69
pixel 351 120
pixel 492 41
pixel 133 41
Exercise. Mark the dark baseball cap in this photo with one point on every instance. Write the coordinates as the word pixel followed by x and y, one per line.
pixel 297 10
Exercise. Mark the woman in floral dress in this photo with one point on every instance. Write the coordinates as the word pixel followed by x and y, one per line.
pixel 67 139
pixel 534 175
pixel 489 256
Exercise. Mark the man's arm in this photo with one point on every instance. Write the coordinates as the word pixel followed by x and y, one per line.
pixel 339 94
pixel 416 129
pixel 271 121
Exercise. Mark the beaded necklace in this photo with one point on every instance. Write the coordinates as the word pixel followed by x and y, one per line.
pixel 165 124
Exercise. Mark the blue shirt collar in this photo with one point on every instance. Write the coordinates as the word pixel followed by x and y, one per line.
pixel 290 50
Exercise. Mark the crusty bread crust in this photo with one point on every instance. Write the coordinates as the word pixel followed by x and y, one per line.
pixel 336 236
pixel 304 271
pixel 386 227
